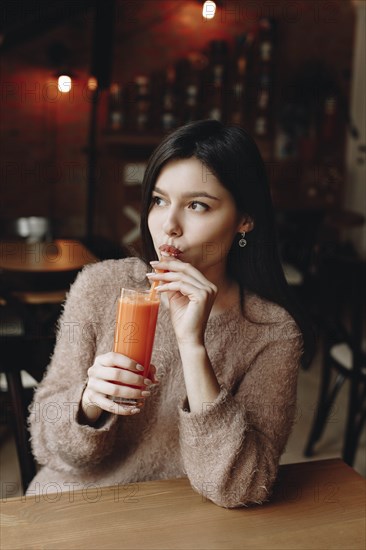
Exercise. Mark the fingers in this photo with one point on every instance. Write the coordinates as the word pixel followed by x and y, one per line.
pixel 113 359
pixel 96 399
pixel 117 368
pixel 174 270
pixel 177 266
pixel 188 287
pixel 173 276
pixel 114 376
pixel 191 291
pixel 117 390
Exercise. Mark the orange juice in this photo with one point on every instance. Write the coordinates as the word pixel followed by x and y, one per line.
pixel 135 328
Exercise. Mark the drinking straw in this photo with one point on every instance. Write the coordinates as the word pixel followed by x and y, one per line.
pixel 152 294
pixel 154 284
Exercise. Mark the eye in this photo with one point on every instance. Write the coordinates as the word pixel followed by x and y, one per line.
pixel 199 206
pixel 158 201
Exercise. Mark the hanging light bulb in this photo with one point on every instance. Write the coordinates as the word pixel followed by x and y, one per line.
pixel 209 9
pixel 64 83
pixel 92 83
pixel 59 56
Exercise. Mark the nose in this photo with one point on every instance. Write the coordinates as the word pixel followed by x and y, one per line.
pixel 171 226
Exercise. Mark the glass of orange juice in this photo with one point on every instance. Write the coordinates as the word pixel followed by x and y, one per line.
pixel 137 313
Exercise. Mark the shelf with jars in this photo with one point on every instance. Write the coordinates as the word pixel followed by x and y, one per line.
pixel 231 82
pixel 235 83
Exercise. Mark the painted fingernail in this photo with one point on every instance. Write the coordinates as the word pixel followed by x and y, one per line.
pixel 150 274
pixel 154 262
pixel 140 367
pixel 147 382
pixel 145 393
pixel 135 410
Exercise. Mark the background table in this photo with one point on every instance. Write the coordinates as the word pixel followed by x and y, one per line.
pixel 58 255
pixel 315 505
pixel 38 268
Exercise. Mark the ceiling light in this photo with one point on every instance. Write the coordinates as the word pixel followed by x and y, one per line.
pixel 209 9
pixel 64 83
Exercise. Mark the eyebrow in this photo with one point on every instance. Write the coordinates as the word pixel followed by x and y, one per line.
pixel 195 194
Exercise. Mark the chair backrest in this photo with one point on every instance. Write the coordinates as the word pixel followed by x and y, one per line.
pixel 344 301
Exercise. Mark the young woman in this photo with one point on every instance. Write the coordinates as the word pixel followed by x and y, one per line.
pixel 227 348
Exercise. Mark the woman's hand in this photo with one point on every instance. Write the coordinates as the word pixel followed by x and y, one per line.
pixel 106 380
pixel 191 297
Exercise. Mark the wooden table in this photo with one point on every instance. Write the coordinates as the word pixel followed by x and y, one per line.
pixel 315 505
pixel 41 272
pixel 54 256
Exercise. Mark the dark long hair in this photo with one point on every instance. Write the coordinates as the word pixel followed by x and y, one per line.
pixel 232 156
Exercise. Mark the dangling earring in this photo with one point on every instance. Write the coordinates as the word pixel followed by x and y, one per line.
pixel 243 241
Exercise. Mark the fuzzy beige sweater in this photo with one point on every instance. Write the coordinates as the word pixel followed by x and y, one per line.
pixel 229 451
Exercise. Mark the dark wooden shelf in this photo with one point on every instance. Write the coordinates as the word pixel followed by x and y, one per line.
pixel 153 139
pixel 138 140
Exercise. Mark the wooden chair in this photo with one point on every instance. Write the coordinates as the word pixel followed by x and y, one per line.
pixel 27 338
pixel 344 353
pixel 300 235
pixel 25 342
pixel 14 356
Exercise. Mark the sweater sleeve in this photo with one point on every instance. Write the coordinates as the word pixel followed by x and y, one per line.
pixel 231 449
pixel 57 438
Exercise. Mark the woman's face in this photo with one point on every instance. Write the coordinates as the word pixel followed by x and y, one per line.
pixel 192 211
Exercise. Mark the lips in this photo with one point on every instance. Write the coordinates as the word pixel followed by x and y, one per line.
pixel 170 250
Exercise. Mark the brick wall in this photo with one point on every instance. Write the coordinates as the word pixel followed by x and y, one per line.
pixel 44 133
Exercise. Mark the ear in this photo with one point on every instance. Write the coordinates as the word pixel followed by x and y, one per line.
pixel 246 224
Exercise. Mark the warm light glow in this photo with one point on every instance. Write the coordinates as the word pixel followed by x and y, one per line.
pixel 64 83
pixel 92 83
pixel 209 9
